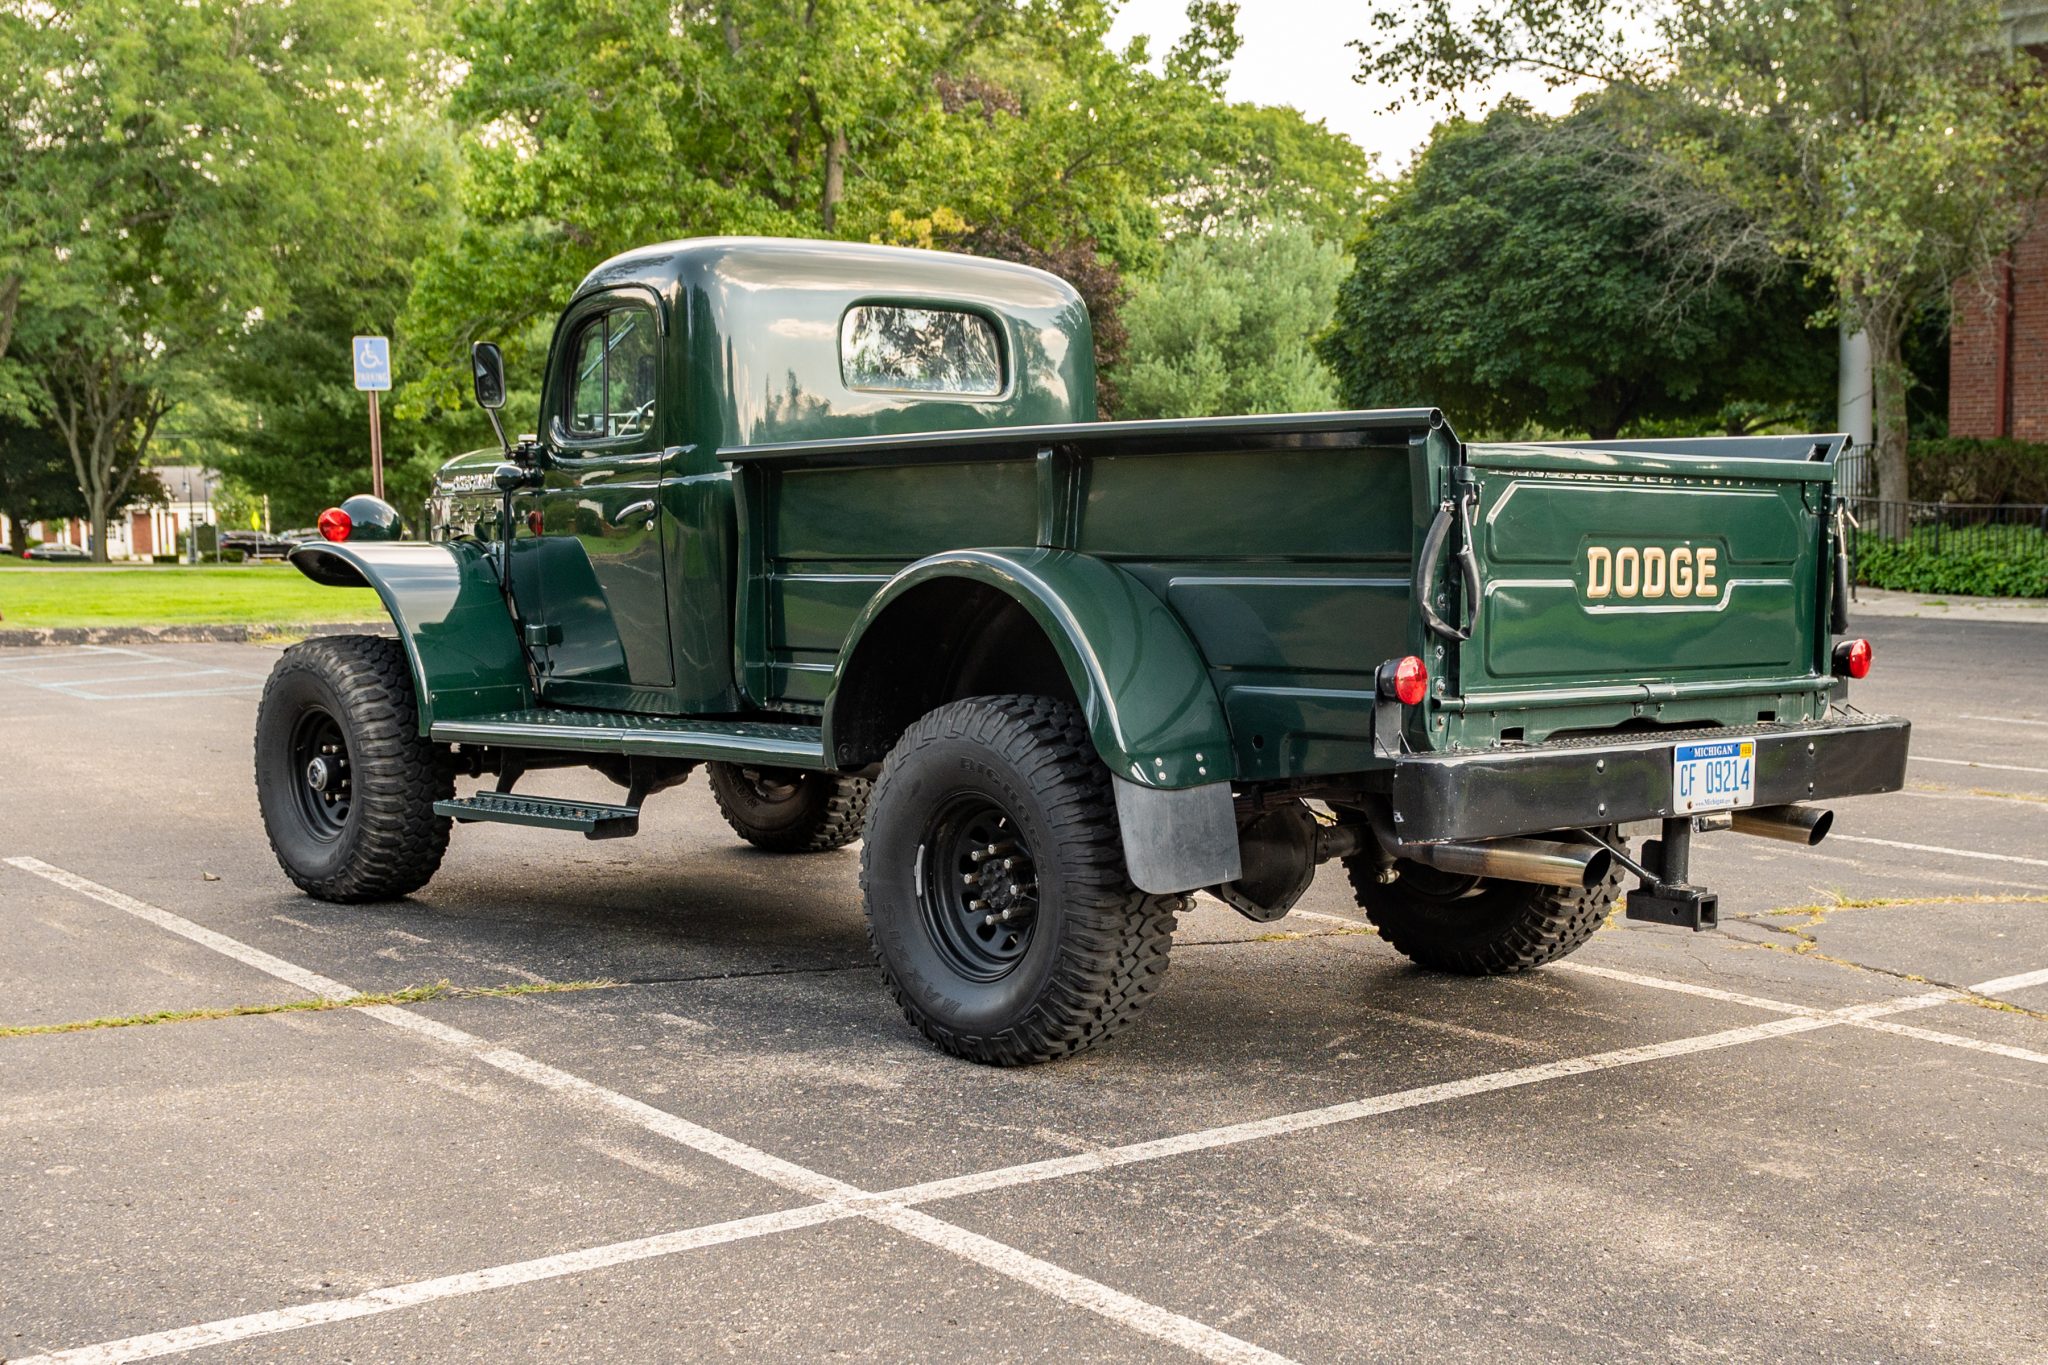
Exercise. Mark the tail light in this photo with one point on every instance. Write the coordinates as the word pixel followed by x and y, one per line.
pixel 335 524
pixel 1852 659
pixel 1405 680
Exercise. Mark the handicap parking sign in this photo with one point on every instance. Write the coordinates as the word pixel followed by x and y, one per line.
pixel 373 362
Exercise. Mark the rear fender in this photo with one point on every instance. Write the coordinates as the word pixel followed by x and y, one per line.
pixel 1144 689
pixel 445 600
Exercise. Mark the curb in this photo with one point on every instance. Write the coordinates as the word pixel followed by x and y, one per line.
pixel 181 635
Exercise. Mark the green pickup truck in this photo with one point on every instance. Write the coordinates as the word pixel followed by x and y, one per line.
pixel 837 523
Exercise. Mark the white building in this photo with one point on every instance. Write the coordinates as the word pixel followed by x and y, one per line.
pixel 142 530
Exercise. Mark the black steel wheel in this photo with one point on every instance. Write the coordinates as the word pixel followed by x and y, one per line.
pixel 978 888
pixel 1479 926
pixel 999 907
pixel 787 810
pixel 346 784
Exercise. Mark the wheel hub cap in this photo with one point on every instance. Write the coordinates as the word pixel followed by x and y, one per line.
pixel 978 888
pixel 316 774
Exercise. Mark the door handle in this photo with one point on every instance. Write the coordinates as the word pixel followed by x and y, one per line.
pixel 641 511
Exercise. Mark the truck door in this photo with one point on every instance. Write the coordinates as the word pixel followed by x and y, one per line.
pixel 602 636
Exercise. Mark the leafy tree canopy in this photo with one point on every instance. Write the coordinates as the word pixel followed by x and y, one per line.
pixel 1885 147
pixel 976 124
pixel 199 162
pixel 1513 278
pixel 1227 324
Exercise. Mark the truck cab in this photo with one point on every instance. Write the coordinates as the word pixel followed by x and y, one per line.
pixel 836 523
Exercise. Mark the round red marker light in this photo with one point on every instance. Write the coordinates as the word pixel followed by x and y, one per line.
pixel 1852 658
pixel 1411 680
pixel 335 524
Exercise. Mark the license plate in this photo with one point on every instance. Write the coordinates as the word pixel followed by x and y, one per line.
pixel 1719 776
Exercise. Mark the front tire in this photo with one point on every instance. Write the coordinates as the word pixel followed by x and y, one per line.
pixel 787 810
pixel 1477 926
pixel 346 784
pixel 999 908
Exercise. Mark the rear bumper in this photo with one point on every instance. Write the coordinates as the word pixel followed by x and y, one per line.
pixel 1499 792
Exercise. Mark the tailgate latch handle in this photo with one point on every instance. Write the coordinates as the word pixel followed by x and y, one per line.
pixel 1447 512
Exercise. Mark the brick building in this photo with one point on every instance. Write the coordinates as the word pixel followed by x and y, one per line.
pixel 1998 343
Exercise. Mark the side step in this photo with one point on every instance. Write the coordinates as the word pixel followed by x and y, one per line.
pixel 593 819
pixel 559 730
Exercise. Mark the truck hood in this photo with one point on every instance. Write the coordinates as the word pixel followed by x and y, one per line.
pixel 469 472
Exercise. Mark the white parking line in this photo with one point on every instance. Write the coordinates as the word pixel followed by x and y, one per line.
pixel 1149 1319
pixel 1946 852
pixel 1865 1021
pixel 838 1199
pixel 1973 763
pixel 105 671
pixel 179 1339
pixel 2004 720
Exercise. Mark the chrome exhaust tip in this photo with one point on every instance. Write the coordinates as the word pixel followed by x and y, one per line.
pixel 1543 861
pixel 1806 825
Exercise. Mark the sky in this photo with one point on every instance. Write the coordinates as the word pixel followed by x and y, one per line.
pixel 1295 53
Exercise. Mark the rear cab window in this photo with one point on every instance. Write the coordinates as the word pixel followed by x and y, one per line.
pixel 896 348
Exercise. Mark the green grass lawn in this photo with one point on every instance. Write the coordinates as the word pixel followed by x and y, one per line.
pixel 33 596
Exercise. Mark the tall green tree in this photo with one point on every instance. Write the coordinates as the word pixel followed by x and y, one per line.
pixel 206 156
pixel 1514 279
pixel 1273 164
pixel 292 423
pixel 1227 325
pixel 1003 126
pixel 35 479
pixel 1884 147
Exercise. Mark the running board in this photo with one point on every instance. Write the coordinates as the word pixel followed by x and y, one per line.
pixel 593 819
pixel 621 732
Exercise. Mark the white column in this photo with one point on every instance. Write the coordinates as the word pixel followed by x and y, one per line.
pixel 1853 388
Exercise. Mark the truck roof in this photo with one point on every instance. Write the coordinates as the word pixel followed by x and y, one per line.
pixel 760 320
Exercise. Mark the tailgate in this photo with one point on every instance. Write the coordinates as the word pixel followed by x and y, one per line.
pixel 1649 574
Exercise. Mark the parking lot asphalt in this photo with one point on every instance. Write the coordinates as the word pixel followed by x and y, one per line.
pixel 646 1099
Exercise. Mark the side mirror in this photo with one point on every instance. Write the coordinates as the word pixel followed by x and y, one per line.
pixel 487 367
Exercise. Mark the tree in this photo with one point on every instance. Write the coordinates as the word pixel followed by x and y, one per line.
pixel 1513 279
pixel 35 479
pixel 1884 147
pixel 1227 326
pixel 990 125
pixel 1272 164
pixel 292 423
pixel 208 153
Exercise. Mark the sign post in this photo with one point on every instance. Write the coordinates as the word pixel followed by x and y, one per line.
pixel 373 376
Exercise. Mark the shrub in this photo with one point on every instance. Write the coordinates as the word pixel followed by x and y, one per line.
pixel 1964 470
pixel 2013 565
pixel 231 556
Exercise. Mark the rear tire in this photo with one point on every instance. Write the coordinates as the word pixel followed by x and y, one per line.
pixel 787 810
pixel 1475 926
pixel 999 908
pixel 346 784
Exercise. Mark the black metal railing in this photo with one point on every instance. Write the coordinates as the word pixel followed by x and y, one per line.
pixel 1981 549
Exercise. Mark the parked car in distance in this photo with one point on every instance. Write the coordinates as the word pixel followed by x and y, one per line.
pixel 257 544
pixel 54 553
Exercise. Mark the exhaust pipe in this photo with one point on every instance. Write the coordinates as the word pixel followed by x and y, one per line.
pixel 1518 860
pixel 1806 825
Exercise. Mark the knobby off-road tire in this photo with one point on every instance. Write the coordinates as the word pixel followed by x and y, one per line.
pixel 362 826
pixel 1081 948
pixel 784 810
pixel 1501 927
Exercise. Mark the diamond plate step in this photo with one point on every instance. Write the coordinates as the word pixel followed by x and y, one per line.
pixel 616 732
pixel 594 819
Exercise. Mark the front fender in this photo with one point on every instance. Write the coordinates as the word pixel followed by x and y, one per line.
pixel 1144 688
pixel 445 600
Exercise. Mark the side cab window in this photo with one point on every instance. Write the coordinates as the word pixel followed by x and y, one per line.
pixel 609 386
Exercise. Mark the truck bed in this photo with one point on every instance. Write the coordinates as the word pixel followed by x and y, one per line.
pixel 1287 547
